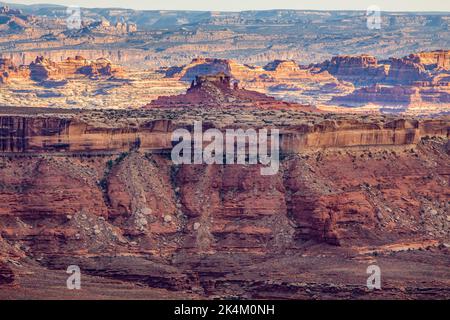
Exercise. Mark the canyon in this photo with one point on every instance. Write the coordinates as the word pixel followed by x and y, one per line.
pixel 359 83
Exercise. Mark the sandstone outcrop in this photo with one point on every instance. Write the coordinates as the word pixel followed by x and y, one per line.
pixel 43 69
pixel 13 20
pixel 282 66
pixel 275 71
pixel 105 26
pixel 417 80
pixel 418 67
pixel 8 71
pixel 199 67
pixel 214 90
pixel 357 69
pixel 105 195
pixel 366 69
pixel 279 78
pixel 439 59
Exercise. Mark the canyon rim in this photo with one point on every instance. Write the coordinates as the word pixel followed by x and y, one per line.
pixel 335 184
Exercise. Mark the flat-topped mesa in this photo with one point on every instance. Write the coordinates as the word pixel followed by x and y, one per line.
pixel 400 95
pixel 101 67
pixel 358 68
pixel 366 69
pixel 417 80
pixel 351 65
pixel 43 69
pixel 275 71
pixel 289 70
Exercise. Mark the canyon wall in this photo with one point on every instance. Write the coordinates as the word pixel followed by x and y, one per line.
pixel 433 59
pixel 41 69
pixel 102 195
pixel 37 135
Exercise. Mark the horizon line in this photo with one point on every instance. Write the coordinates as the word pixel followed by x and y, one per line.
pixel 226 10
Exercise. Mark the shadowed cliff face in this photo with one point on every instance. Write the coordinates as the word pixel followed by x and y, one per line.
pixel 336 181
pixel 335 196
pixel 237 35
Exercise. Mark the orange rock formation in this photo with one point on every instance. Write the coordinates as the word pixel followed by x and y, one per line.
pixel 42 69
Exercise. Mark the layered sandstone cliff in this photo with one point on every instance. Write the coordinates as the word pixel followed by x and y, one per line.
pixel 45 69
pixel 405 70
pixel 106 196
pixel 414 81
pixel 304 190
pixel 140 196
pixel 35 135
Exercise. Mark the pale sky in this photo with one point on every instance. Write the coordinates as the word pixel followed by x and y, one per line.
pixel 238 5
